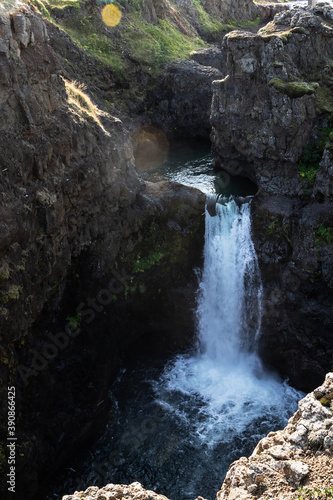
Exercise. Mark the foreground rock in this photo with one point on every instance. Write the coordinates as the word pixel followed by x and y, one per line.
pixel 299 455
pixel 119 491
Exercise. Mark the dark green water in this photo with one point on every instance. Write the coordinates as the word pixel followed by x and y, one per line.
pixel 191 163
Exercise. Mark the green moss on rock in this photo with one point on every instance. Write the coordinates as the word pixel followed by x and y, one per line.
pixel 12 294
pixel 324 100
pixel 323 235
pixel 294 89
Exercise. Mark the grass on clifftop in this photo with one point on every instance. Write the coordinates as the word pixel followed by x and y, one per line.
pixel 133 40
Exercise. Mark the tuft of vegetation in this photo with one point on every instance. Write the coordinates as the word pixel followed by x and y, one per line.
pixel 314 494
pixel 211 27
pixel 293 89
pixel 81 104
pixel 271 228
pixel 142 264
pixel 4 272
pixel 75 321
pixel 162 43
pixel 325 100
pixel 323 235
pixel 12 295
pixel 41 7
pixel 309 163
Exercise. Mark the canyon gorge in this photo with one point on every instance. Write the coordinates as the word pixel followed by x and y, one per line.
pixel 99 266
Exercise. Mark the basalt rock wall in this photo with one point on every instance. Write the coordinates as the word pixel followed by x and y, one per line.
pixel 89 255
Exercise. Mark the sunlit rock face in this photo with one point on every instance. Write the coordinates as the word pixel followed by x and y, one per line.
pixel 290 458
pixel 121 491
pixel 75 220
pixel 274 101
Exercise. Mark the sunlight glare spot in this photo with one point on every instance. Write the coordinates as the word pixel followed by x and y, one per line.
pixel 111 15
pixel 151 148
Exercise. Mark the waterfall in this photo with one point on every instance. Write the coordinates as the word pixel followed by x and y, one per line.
pixel 221 390
pixel 229 309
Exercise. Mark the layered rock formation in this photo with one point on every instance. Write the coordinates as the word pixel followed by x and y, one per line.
pixel 274 104
pixel 90 255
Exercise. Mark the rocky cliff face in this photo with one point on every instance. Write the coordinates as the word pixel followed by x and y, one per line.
pixel 271 113
pixel 180 102
pixel 87 252
pixel 268 107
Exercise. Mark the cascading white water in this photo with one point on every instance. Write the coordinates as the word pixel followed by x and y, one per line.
pixel 221 390
pixel 230 289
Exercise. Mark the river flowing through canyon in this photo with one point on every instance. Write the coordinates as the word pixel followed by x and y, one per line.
pixel 178 424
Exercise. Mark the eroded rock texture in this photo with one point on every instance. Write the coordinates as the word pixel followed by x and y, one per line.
pixel 120 491
pixel 299 455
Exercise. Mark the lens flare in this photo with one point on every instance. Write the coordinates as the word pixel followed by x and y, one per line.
pixel 111 15
pixel 150 148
